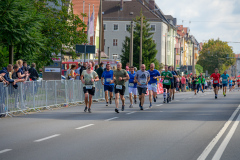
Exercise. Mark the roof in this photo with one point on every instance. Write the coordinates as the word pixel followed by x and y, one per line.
pixel 112 11
pixel 78 9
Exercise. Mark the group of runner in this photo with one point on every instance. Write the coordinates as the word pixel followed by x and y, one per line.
pixel 139 82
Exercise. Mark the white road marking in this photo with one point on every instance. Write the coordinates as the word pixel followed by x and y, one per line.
pixel 5 150
pixel 225 142
pixel 210 146
pixel 146 108
pixel 85 126
pixel 159 105
pixel 46 138
pixel 130 112
pixel 111 119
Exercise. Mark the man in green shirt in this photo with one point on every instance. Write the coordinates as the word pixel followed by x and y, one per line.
pixel 199 83
pixel 167 76
pixel 119 77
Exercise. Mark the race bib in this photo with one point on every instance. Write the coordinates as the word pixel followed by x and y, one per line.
pixel 153 85
pixel 131 84
pixel 143 82
pixel 118 86
pixel 108 79
pixel 224 80
pixel 89 86
pixel 166 81
pixel 215 81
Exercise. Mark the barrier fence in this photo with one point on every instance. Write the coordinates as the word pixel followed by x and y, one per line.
pixel 33 95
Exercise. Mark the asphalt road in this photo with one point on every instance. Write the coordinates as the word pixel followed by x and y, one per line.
pixel 189 128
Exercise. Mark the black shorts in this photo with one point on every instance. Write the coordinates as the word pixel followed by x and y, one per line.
pixel 194 86
pixel 215 85
pixel 220 85
pixel 166 86
pixel 172 85
pixel 121 91
pixel 90 91
pixel 142 90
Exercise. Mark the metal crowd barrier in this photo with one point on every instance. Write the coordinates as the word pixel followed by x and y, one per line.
pixel 33 95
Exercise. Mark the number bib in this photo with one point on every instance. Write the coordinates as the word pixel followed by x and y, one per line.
pixel 153 85
pixel 118 86
pixel 108 79
pixel 89 86
pixel 131 84
pixel 215 81
pixel 166 81
pixel 142 81
pixel 225 80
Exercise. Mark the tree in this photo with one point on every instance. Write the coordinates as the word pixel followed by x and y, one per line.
pixel 199 69
pixel 149 51
pixel 214 55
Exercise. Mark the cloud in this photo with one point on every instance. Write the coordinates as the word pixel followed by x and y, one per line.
pixel 209 19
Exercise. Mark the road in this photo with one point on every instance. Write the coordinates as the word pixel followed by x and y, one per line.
pixel 189 128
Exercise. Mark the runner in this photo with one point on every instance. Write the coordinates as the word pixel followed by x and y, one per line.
pixel 142 78
pixel 220 85
pixel 233 84
pixel 195 83
pixel 152 84
pixel 203 83
pixel 238 82
pixel 107 76
pixel 132 87
pixel 167 76
pixel 172 87
pixel 230 84
pixel 224 77
pixel 88 78
pixel 199 82
pixel 215 77
pixel 119 77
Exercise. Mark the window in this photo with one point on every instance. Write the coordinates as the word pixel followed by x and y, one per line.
pixel 105 27
pixel 115 27
pixel 128 27
pixel 115 42
pixel 153 27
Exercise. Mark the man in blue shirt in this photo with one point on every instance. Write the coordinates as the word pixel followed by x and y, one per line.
pixel 224 77
pixel 152 84
pixel 107 76
pixel 132 87
pixel 172 88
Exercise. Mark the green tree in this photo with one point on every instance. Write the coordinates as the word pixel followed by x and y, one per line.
pixel 149 51
pixel 199 69
pixel 214 55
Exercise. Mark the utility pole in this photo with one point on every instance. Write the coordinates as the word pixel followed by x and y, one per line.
pixel 131 46
pixel 180 50
pixel 193 65
pixel 141 37
pixel 165 48
pixel 100 33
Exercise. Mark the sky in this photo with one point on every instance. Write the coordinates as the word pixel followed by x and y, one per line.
pixel 207 19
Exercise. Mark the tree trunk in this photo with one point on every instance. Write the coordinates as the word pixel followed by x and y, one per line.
pixel 11 54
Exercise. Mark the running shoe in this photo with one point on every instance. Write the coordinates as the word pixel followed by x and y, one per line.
pixel 110 101
pixel 123 107
pixel 154 99
pixel 164 101
pixel 85 110
pixel 135 101
pixel 225 95
pixel 106 103
pixel 89 110
pixel 215 97
pixel 139 104
pixel 131 106
pixel 141 108
pixel 150 105
pixel 116 110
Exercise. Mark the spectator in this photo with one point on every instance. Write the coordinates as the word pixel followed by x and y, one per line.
pixel 7 78
pixel 84 67
pixel 73 74
pixel 78 71
pixel 100 70
pixel 25 67
pixel 19 75
pixel 183 82
pixel 127 69
pixel 33 72
pixel 135 69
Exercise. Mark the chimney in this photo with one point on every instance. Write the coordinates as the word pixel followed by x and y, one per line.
pixel 121 5
pixel 151 5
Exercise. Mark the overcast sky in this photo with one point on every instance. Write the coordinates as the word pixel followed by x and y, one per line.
pixel 221 18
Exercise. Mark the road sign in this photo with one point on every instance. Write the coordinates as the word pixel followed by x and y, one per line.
pixel 91 49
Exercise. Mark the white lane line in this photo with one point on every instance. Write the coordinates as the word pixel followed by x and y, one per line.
pixel 210 146
pixel 5 150
pixel 159 105
pixel 130 112
pixel 85 126
pixel 225 142
pixel 46 138
pixel 111 119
